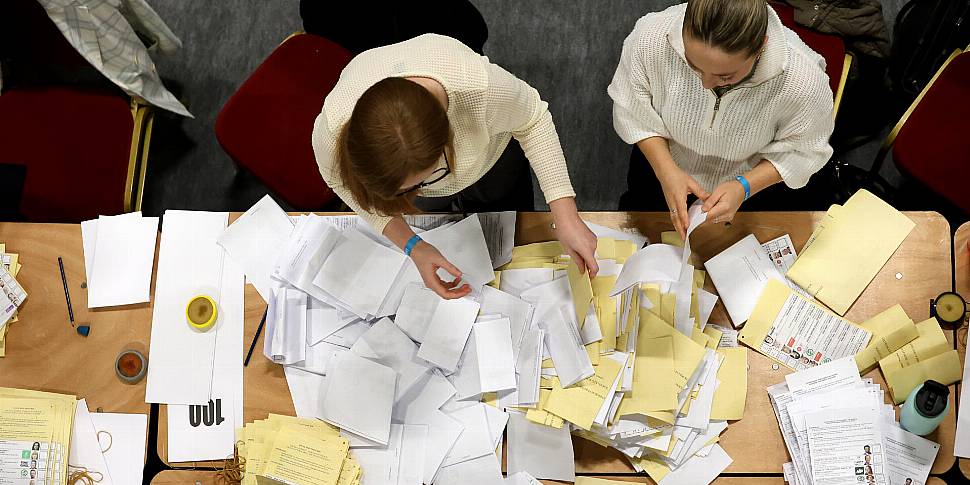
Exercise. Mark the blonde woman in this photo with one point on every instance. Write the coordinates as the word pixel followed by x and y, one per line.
pixel 722 102
pixel 427 124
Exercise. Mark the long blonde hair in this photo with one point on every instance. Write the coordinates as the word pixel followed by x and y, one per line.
pixel 734 26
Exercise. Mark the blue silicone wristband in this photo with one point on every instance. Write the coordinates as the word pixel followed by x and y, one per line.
pixel 415 239
pixel 746 185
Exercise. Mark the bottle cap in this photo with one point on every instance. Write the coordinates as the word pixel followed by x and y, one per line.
pixel 931 399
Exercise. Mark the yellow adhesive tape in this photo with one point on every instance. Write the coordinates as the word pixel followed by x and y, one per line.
pixel 201 312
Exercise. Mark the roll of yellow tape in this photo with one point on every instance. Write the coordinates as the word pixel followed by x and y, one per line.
pixel 201 312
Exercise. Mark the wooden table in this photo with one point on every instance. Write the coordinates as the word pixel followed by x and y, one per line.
pixel 43 352
pixel 755 442
pixel 961 268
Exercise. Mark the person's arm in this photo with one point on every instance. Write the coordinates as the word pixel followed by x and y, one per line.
pixel 427 259
pixel 727 198
pixel 675 182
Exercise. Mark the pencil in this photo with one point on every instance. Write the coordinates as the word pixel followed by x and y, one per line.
pixel 67 294
pixel 259 330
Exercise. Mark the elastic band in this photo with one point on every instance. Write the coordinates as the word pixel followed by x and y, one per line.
pixel 415 239
pixel 746 185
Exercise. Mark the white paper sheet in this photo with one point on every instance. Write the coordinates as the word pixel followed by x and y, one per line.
pixel 123 259
pixel 740 274
pixel 516 281
pixel 496 366
pixel 656 262
pixel 685 281
pixel 286 325
pixel 323 320
pixel 189 264
pixel 360 396
pixel 476 440
pixel 838 440
pixel 499 231
pixel 565 346
pixel 463 244
pixel 831 375
pixel 124 437
pixel 254 242
pixel 401 463
pixel 310 243
pixel 207 431
pixel 85 447
pixel 359 273
pixel 485 470
pixel 518 311
pixel 414 314
pixel 631 235
pixel 544 452
pixel 528 368
pixel 306 390
pixel 908 456
pixel 448 331
pixel 89 240
pixel 386 343
pixel 700 470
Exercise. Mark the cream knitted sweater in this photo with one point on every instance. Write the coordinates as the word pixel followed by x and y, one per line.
pixel 783 113
pixel 487 106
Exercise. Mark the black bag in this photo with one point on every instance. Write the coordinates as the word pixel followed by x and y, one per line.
pixel 926 32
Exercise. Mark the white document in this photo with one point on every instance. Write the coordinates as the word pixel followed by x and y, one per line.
pixel 499 231
pixel 207 430
pixel 699 415
pixel 700 470
pixel 521 478
pixel 740 274
pixel 400 463
pixel 516 281
pixel 838 373
pixel 348 336
pixel 729 338
pixel 528 368
pixel 121 272
pixel 323 320
pixel 475 440
pixel 85 447
pixel 254 242
pixel 360 396
pixel 781 251
pixel 448 331
pixel 386 343
pixel 421 405
pixel 306 391
pixel 493 344
pixel 497 420
pixel 320 357
pixel 286 324
pixel 656 262
pixel 359 273
pixel 604 414
pixel 846 447
pixel 908 456
pixel 124 437
pixel 89 240
pixel 804 335
pixel 463 244
pixel 189 264
pixel 544 452
pixel 485 470
pixel 310 243
pixel 685 282
pixel 705 305
pixel 631 235
pixel 518 311
pixel 417 307
pixel 565 345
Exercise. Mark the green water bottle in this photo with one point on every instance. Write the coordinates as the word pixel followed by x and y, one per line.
pixel 925 408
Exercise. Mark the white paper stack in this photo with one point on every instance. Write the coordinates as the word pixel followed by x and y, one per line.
pixel 838 429
pixel 119 254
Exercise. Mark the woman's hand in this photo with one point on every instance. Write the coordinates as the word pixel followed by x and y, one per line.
pixel 676 185
pixel 724 202
pixel 428 260
pixel 574 235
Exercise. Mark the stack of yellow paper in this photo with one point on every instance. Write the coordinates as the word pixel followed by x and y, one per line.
pixel 10 263
pixel 288 450
pixel 848 248
pixel 36 428
pixel 928 356
pixel 891 330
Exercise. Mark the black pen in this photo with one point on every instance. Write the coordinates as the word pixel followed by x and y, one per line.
pixel 67 294
pixel 259 330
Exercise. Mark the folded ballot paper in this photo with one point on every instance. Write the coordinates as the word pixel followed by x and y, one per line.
pixel 850 245
pixel 838 430
pixel 119 254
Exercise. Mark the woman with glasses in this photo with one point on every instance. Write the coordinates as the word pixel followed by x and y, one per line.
pixel 426 124
pixel 722 102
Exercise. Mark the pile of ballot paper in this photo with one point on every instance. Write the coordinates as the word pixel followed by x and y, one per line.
pixel 46 437
pixel 837 430
pixel 119 253
pixel 12 294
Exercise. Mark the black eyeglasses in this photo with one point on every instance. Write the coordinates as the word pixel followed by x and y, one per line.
pixel 435 177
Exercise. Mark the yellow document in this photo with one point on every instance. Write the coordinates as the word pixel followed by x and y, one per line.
pixel 593 350
pixel 540 415
pixel 944 368
pixel 672 238
pixel 652 293
pixel 582 290
pixel 714 333
pixel 495 283
pixel 304 458
pixel 654 385
pixel 548 249
pixel 798 333
pixel 653 466
pixel 605 310
pixel 891 330
pixel 606 248
pixel 701 338
pixel 580 403
pixel 598 481
pixel 668 306
pixel 731 394
pixel 624 249
pixel 931 341
pixel 849 250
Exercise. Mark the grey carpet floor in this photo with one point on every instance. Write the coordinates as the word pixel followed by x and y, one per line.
pixel 567 49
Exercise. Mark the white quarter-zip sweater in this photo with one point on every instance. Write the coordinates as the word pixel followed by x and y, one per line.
pixel 783 113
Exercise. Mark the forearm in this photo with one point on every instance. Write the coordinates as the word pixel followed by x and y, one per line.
pixel 398 232
pixel 562 208
pixel 762 176
pixel 657 153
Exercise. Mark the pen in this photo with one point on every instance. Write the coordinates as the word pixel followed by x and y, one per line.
pixel 259 330
pixel 67 294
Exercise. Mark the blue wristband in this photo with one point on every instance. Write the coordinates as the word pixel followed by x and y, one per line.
pixel 415 239
pixel 746 185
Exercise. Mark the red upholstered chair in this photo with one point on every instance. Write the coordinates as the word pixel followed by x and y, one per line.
pixel 931 142
pixel 84 147
pixel 266 125
pixel 830 47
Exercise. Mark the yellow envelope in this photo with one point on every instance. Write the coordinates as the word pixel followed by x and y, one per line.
pixel 891 330
pixel 849 249
pixel 605 309
pixel 672 238
pixel 715 334
pixel 606 248
pixel 931 341
pixel 582 289
pixel 654 384
pixel 580 403
pixel 732 393
pixel 539 415
pixel 548 249
pixel 944 368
